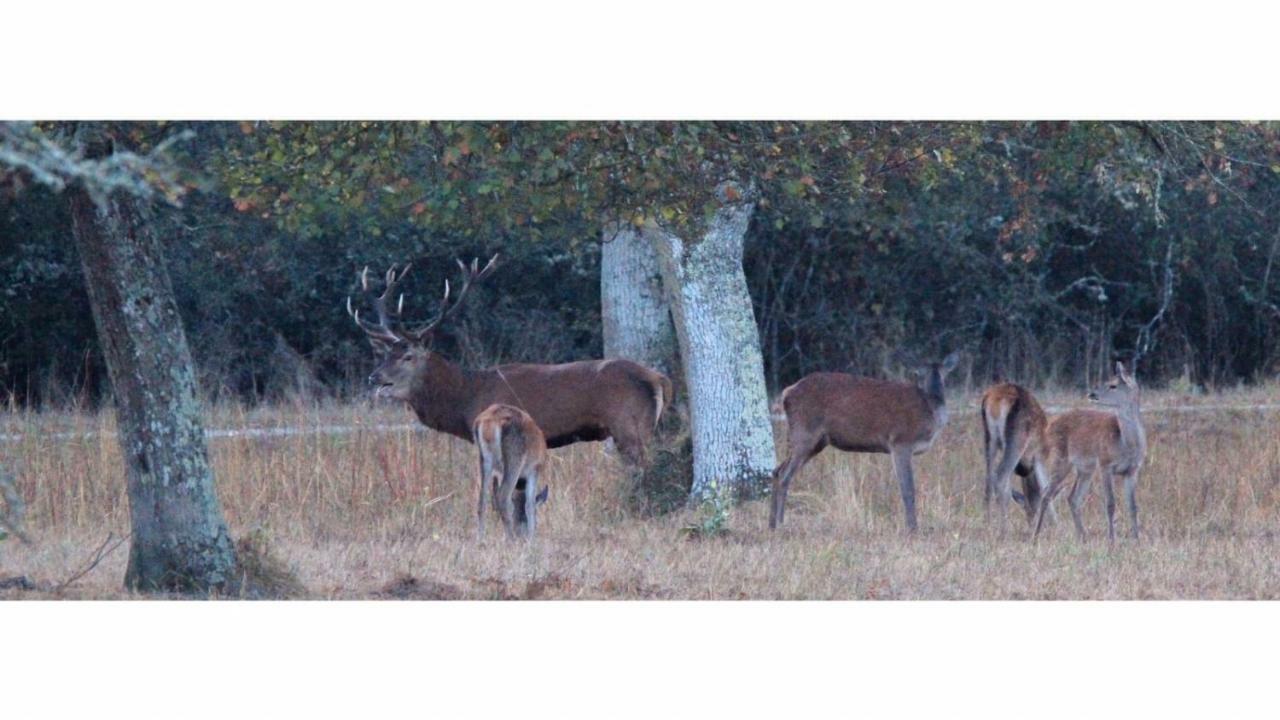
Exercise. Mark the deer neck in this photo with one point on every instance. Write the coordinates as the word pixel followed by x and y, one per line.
pixel 1132 436
pixel 442 398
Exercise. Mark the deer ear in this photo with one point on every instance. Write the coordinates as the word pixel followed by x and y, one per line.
pixel 1125 376
pixel 421 338
pixel 380 346
pixel 950 362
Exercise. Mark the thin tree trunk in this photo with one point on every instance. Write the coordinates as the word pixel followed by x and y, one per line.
pixel 733 450
pixel 180 542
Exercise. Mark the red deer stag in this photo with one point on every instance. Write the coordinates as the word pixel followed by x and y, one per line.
pixel 1109 442
pixel 1013 433
pixel 862 415
pixel 580 401
pixel 512 449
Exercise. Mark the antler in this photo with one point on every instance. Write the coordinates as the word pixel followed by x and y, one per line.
pixel 470 275
pixel 383 330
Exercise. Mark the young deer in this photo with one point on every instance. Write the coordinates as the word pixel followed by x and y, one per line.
pixel 1110 442
pixel 512 449
pixel 1013 433
pixel 862 415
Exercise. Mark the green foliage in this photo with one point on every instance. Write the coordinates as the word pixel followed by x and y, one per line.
pixel 1040 247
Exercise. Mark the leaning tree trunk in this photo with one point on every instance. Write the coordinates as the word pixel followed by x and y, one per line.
pixel 637 326
pixel 733 452
pixel 180 542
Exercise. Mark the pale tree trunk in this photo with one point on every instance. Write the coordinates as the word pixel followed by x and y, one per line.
pixel 733 452
pixel 637 326
pixel 637 319
pixel 179 542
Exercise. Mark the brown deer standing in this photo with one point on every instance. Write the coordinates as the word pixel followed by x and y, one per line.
pixel 512 449
pixel 862 415
pixel 1111 443
pixel 588 400
pixel 1013 433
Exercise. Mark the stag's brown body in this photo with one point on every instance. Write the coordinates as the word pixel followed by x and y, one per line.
pixel 572 402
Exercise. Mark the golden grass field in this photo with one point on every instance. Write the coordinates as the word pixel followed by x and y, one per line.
pixel 373 514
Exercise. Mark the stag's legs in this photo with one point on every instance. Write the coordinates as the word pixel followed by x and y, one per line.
pixel 1078 494
pixel 1131 496
pixel 906 483
pixel 631 438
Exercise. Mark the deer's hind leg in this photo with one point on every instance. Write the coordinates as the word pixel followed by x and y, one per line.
pixel 1084 476
pixel 1131 497
pixel 483 487
pixel 1015 444
pixel 530 501
pixel 506 493
pixel 1057 481
pixel 1109 494
pixel 801 446
pixel 991 448
pixel 1034 487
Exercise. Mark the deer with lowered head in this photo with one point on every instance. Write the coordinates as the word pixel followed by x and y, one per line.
pixel 1110 443
pixel 1013 433
pixel 512 450
pixel 588 400
pixel 858 414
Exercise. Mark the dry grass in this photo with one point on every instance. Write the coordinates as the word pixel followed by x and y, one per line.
pixel 389 515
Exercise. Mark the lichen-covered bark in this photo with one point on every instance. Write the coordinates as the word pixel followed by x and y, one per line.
pixel 637 319
pixel 733 448
pixel 179 542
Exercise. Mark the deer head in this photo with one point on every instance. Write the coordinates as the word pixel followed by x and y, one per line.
pixel 929 376
pixel 406 351
pixel 1121 392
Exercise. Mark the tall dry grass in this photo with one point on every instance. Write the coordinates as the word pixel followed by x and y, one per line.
pixel 390 514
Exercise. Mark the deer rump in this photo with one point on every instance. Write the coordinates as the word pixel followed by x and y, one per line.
pixel 512 446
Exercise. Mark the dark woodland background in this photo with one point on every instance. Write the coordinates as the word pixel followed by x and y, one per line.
pixel 1040 249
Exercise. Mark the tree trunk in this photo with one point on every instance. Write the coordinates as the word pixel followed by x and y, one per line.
pixel 733 452
pixel 180 542
pixel 637 326
pixel 637 318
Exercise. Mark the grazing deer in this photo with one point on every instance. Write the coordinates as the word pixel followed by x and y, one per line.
pixel 573 402
pixel 862 415
pixel 512 449
pixel 1110 442
pixel 1013 433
